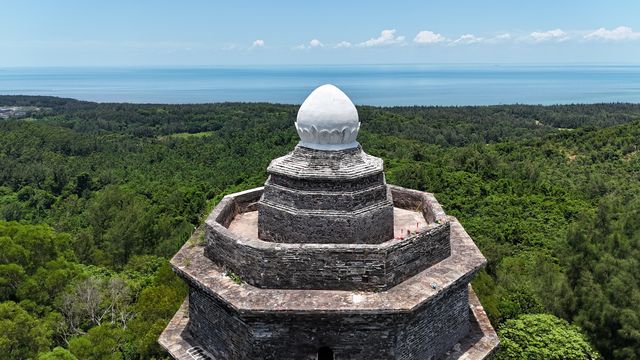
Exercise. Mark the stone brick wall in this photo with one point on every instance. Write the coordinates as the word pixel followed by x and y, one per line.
pixel 317 197
pixel 370 225
pixel 419 201
pixel 320 266
pixel 430 329
pixel 444 321
pixel 317 266
pixel 326 200
pixel 319 184
pixel 217 327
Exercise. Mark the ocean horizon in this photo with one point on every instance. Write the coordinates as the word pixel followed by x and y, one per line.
pixel 378 85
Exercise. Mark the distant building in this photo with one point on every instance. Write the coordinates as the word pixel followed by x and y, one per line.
pixel 5 113
pixel 327 261
pixel 16 111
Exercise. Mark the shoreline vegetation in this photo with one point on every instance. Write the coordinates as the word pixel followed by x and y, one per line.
pixel 95 198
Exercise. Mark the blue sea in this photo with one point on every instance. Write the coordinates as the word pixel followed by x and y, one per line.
pixel 386 85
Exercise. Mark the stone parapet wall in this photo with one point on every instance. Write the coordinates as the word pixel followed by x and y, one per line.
pixel 371 267
pixel 198 271
pixel 420 201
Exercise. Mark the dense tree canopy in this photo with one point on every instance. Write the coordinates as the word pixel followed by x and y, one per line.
pixel 543 337
pixel 94 198
pixel 604 250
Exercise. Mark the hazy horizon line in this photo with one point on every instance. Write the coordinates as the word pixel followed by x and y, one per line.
pixel 540 64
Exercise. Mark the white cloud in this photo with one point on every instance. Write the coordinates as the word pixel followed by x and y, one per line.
pixel 556 34
pixel 343 44
pixel 315 43
pixel 617 34
pixel 500 38
pixel 258 43
pixel 387 37
pixel 428 37
pixel 467 39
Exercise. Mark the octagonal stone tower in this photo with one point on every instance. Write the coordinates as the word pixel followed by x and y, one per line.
pixel 327 261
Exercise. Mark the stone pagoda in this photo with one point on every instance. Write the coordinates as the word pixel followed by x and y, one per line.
pixel 328 261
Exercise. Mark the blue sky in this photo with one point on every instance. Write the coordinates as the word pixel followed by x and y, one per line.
pixel 183 33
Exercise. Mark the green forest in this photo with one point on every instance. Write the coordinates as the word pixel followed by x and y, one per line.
pixel 96 198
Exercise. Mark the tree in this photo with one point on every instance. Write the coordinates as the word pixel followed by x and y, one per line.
pixel 104 342
pixel 544 337
pixel 99 173
pixel 11 275
pixel 22 335
pixel 83 184
pixel 30 246
pixel 603 269
pixel 91 302
pixel 57 353
pixel 48 281
pixel 155 306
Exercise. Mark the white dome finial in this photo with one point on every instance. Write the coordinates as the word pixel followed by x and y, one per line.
pixel 328 120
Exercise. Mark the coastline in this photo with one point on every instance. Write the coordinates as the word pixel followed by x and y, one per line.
pixel 375 85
